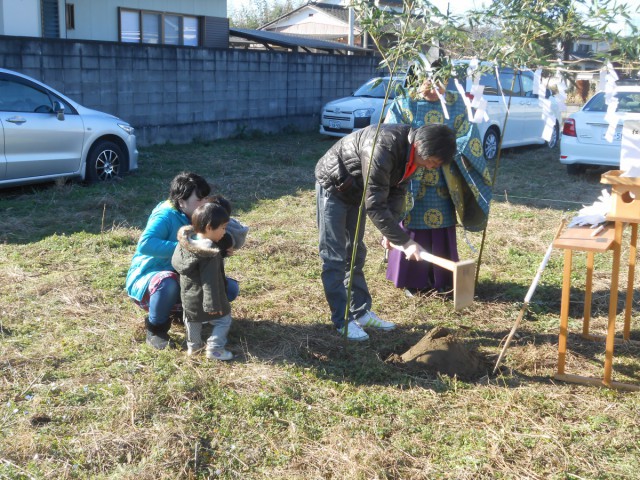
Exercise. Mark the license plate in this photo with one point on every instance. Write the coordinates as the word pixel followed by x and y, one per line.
pixel 334 124
pixel 616 136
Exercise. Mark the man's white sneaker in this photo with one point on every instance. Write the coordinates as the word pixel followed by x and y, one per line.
pixel 219 354
pixel 370 319
pixel 354 332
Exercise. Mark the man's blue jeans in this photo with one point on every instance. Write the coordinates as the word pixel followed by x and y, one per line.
pixel 337 222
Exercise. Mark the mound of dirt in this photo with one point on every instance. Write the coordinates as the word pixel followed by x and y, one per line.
pixel 440 351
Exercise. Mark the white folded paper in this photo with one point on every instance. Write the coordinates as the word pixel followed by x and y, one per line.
pixel 594 214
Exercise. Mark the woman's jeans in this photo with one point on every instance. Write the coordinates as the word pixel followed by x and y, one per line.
pixel 233 289
pixel 162 300
pixel 337 222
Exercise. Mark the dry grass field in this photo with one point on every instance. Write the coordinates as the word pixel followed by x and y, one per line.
pixel 83 397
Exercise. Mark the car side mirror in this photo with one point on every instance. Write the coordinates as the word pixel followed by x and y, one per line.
pixel 58 108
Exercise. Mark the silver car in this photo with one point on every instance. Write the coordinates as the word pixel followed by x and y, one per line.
pixel 46 135
pixel 363 108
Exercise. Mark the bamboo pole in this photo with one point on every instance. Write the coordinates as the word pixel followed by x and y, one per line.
pixel 495 170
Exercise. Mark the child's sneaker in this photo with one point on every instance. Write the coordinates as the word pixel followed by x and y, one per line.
pixel 370 319
pixel 354 332
pixel 219 354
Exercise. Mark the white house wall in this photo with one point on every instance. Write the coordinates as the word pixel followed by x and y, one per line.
pixel 95 19
pixel 98 19
pixel 311 21
pixel 320 30
pixel 308 15
pixel 20 18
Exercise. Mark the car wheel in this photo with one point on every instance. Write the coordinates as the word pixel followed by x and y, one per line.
pixel 554 137
pixel 490 143
pixel 105 162
pixel 575 168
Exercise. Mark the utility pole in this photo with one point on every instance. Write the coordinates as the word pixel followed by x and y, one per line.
pixel 351 27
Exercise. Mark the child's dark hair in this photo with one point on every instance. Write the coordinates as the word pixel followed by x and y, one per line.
pixel 220 200
pixel 184 184
pixel 209 215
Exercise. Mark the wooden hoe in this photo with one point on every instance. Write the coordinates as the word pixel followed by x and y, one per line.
pixel 463 278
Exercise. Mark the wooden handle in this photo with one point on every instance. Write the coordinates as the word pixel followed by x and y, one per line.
pixel 441 262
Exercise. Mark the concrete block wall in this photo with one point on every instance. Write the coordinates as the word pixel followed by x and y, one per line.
pixel 179 94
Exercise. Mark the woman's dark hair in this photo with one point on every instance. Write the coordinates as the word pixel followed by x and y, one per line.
pixel 209 215
pixel 219 199
pixel 184 184
pixel 437 140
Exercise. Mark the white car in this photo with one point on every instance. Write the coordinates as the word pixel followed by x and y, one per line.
pixel 583 140
pixel 525 123
pixel 46 135
pixel 363 108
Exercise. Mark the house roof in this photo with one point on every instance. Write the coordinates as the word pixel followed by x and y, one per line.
pixel 340 12
pixel 269 39
pixel 337 11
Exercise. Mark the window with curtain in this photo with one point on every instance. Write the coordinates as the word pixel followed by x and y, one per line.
pixel 191 31
pixel 130 27
pixel 150 28
pixel 172 30
pixel 143 26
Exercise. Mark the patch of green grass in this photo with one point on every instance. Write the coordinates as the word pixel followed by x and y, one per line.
pixel 82 396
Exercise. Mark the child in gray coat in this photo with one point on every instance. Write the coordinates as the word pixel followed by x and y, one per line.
pixel 202 280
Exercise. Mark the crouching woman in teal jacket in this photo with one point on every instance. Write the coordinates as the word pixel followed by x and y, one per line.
pixel 152 281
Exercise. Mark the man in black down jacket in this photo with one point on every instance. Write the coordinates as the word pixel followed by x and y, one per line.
pixel 340 178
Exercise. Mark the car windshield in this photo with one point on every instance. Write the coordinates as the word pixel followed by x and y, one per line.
pixel 628 102
pixel 376 88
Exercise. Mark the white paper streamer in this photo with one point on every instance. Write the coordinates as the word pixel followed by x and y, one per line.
pixel 477 92
pixel 612 118
pixel 548 117
pixel 473 66
pixel 465 99
pixel 612 72
pixel 561 96
pixel 479 103
pixel 538 88
pixel 504 100
pixel 603 79
pixel 443 103
pixel 481 110
pixel 610 90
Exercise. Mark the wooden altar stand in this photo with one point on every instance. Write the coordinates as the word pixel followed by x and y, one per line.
pixel 625 211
